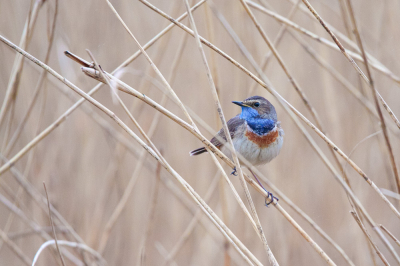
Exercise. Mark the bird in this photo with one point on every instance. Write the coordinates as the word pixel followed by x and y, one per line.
pixel 256 133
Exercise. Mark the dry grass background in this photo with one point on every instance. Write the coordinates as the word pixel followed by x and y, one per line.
pixel 86 170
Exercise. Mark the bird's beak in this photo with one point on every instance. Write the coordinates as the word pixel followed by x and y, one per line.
pixel 240 104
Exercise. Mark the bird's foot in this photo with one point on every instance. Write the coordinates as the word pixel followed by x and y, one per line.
pixel 234 171
pixel 272 198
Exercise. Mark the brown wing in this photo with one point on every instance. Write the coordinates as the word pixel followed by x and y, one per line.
pixel 233 125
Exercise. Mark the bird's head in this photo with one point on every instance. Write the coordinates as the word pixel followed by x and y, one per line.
pixel 257 107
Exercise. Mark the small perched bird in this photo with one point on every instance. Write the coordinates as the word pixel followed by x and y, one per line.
pixel 256 132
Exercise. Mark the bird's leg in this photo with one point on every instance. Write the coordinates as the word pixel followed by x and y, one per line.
pixel 269 193
pixel 234 171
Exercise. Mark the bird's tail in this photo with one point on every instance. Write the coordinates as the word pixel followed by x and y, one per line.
pixel 197 151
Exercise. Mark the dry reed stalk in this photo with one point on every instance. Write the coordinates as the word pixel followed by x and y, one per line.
pixel 38 198
pixel 285 104
pixel 303 233
pixel 98 118
pixel 367 216
pixel 390 234
pixel 190 207
pixel 52 226
pixel 352 44
pixel 376 63
pixel 68 244
pixel 319 39
pixel 150 217
pixel 34 226
pixel 17 132
pixel 345 18
pixel 9 120
pixel 134 152
pixel 14 248
pixel 355 216
pixel 128 191
pixel 11 216
pixel 115 91
pixel 163 252
pixel 24 233
pixel 203 221
pixel 353 63
pixel 228 137
pixel 155 68
pixel 217 221
pixel 191 225
pixel 340 78
pixel 375 93
pixel 349 55
pixel 214 71
pixel 307 218
pixel 41 201
pixel 13 82
pixel 386 243
pixel 63 117
pixel 372 253
pixel 211 34
pixel 121 203
pixel 276 41
pixel 39 84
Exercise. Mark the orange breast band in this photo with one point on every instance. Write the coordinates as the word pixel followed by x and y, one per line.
pixel 262 141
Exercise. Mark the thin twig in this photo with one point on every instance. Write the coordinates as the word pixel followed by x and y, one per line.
pixel 375 93
pixel 355 216
pixel 13 82
pixel 52 226
pixel 191 225
pixel 63 117
pixel 390 234
pixel 150 217
pixel 151 63
pixel 39 84
pixel 353 63
pixel 68 244
pixel 20 254
pixel 377 63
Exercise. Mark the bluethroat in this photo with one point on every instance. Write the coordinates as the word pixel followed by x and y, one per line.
pixel 256 133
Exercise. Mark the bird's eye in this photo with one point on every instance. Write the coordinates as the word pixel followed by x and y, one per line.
pixel 257 104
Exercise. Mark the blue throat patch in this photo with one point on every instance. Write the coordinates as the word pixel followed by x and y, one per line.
pixel 259 125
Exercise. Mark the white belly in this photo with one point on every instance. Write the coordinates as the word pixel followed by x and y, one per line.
pixel 253 153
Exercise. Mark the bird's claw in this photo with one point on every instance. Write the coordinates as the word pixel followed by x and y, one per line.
pixel 272 199
pixel 234 171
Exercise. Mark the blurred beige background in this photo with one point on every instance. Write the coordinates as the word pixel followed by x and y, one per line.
pixel 86 170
